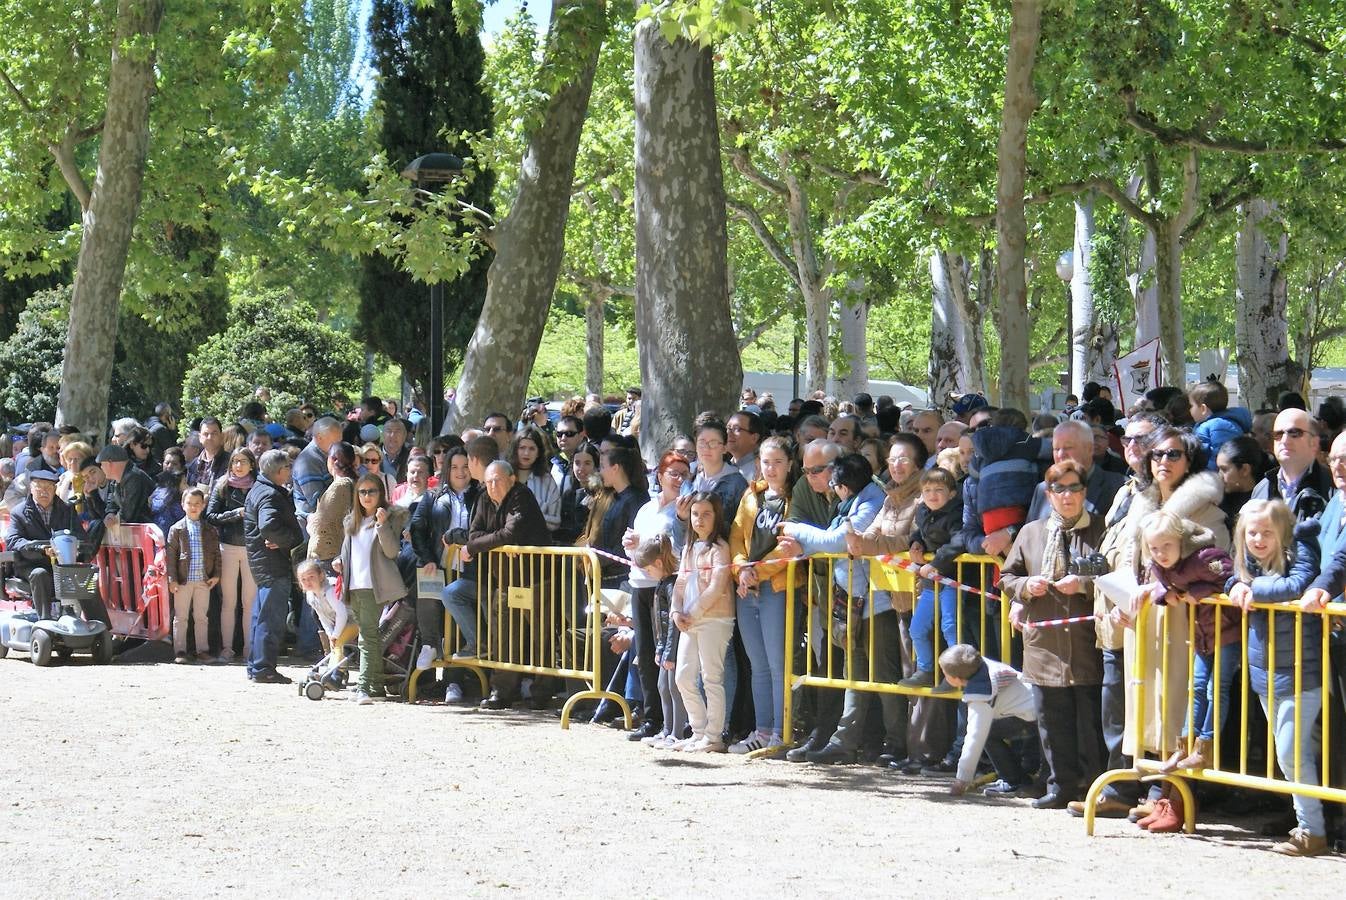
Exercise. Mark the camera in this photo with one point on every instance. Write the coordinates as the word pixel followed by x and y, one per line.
pixel 1090 566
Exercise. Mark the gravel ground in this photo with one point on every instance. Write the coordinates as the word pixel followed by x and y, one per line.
pixel 164 781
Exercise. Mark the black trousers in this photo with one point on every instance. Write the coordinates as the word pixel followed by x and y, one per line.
pixel 1014 758
pixel 1071 727
pixel 642 603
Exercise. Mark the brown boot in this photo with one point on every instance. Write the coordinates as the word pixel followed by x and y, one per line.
pixel 1173 762
pixel 1201 757
pixel 1171 821
pixel 1161 809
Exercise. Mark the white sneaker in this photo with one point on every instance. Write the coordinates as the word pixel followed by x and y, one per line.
pixel 686 743
pixel 226 655
pixel 707 745
pixel 453 694
pixel 775 741
pixel 362 699
pixel 427 657
pixel 758 740
pixel 654 739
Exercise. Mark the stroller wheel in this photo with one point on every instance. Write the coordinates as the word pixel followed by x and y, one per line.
pixel 314 690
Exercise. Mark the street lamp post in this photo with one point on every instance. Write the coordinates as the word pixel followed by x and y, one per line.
pixel 429 173
pixel 1065 270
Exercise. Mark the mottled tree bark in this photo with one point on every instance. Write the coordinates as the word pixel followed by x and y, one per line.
pixel 1261 329
pixel 854 326
pixel 593 333
pixel 943 369
pixel 529 242
pixel 1083 324
pixel 1011 223
pixel 689 359
pixel 109 220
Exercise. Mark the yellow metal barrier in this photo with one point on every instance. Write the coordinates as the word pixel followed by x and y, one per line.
pixel 539 613
pixel 1221 768
pixel 829 665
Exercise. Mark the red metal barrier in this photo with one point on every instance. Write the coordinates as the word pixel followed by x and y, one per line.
pixel 133 582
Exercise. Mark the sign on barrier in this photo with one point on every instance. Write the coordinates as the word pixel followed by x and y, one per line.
pixel 537 611
pixel 1167 698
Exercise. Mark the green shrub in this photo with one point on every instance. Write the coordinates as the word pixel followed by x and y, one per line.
pixel 274 344
pixel 30 360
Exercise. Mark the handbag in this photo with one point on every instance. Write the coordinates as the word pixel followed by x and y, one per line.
pixel 847 618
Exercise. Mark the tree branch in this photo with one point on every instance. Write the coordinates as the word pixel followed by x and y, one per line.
pixel 85 133
pixel 744 164
pixel 1199 140
pixel 1128 205
pixel 18 94
pixel 773 247
pixel 749 337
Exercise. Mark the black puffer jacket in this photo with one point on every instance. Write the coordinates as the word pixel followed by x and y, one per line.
pixel 225 511
pixel 268 515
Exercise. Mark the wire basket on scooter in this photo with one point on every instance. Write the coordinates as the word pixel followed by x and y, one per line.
pixel 75 582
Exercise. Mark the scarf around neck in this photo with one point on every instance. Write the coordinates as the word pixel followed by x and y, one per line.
pixel 1056 548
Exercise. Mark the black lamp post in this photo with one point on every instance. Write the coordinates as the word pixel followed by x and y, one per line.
pixel 429 173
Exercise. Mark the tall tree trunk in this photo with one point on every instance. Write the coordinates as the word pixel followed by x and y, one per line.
pixel 812 280
pixel 854 321
pixel 109 220
pixel 972 310
pixel 689 358
pixel 1144 291
pixel 1261 330
pixel 530 241
pixel 1103 349
pixel 1011 223
pixel 593 344
pixel 944 363
pixel 1083 322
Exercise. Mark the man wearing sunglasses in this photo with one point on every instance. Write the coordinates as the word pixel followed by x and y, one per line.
pixel 569 436
pixel 1074 440
pixel 1299 480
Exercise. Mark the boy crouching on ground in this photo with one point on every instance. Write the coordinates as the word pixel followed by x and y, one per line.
pixel 1000 714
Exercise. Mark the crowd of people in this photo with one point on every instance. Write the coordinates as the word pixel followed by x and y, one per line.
pixel 1183 494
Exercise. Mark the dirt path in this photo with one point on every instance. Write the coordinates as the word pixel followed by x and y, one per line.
pixel 162 780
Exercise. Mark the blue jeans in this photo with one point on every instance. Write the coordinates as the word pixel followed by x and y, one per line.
pixel 269 612
pixel 1308 810
pixel 306 641
pixel 1203 690
pixel 460 599
pixel 923 625
pixel 761 622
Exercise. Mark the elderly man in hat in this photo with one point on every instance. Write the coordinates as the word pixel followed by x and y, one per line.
pixel 31 527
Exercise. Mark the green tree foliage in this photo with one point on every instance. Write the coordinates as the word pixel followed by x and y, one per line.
pixel 30 359
pixel 319 131
pixel 275 341
pixel 429 96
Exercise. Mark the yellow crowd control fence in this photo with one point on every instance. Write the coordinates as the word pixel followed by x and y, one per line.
pixel 1162 663
pixel 537 611
pixel 835 593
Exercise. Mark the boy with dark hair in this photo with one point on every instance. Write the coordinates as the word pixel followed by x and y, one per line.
pixel 939 518
pixel 1216 423
pixel 1000 713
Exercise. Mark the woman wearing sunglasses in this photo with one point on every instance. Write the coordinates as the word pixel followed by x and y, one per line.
pixel 371 579
pixel 1041 579
pixel 1179 483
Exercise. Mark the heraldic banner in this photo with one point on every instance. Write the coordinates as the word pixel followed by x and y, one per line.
pixel 1135 374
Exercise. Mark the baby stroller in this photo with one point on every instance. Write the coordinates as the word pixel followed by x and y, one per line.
pixel 397 629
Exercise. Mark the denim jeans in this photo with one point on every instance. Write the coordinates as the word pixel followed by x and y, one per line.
pixel 923 625
pixel 1308 810
pixel 460 599
pixel 268 624
pixel 1203 690
pixel 761 622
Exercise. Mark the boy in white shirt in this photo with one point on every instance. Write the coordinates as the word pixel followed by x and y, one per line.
pixel 1000 708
